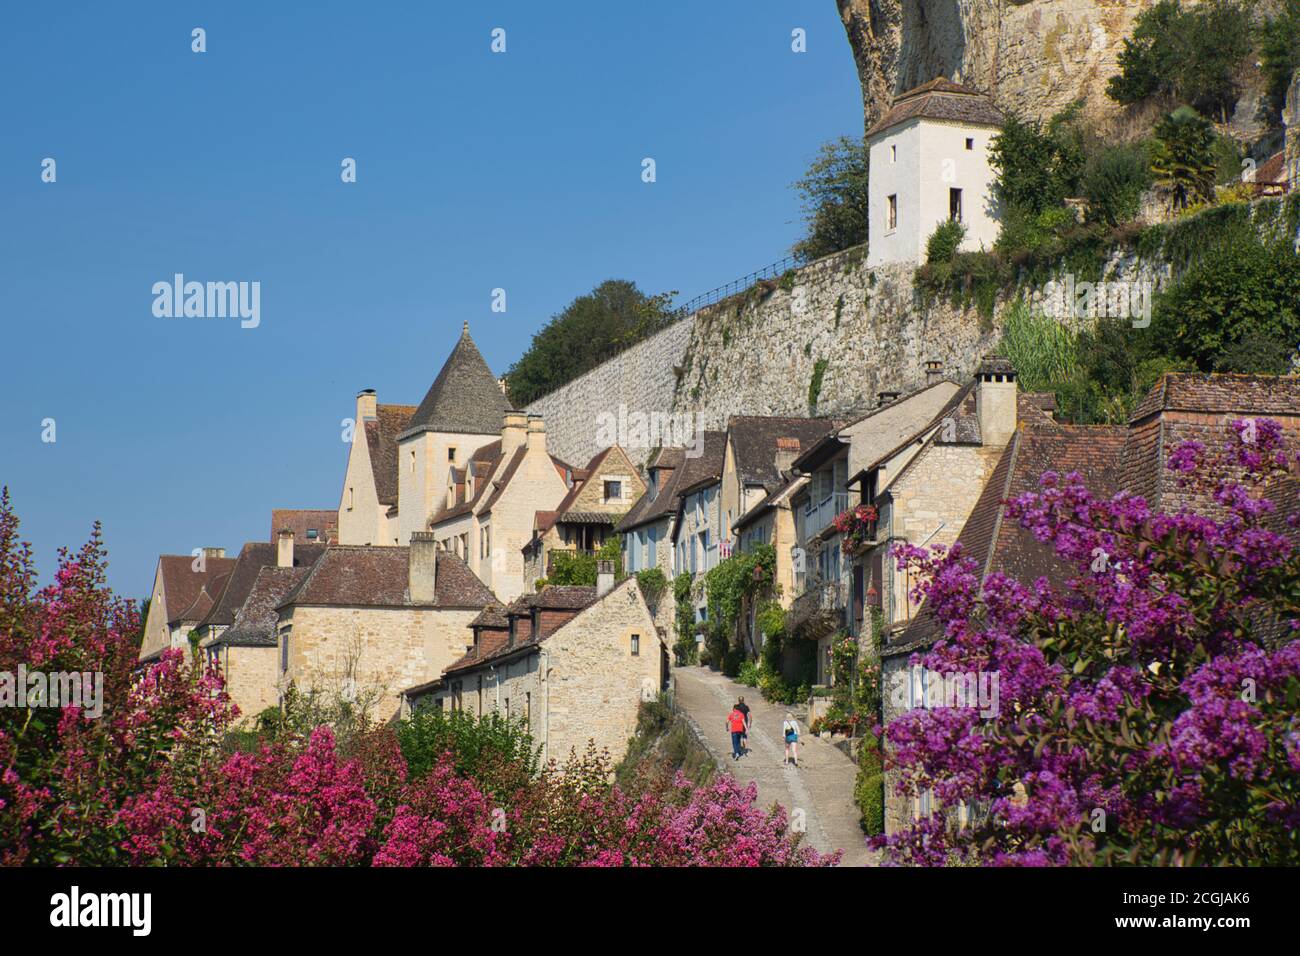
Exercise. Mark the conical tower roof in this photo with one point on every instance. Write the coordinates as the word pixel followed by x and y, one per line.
pixel 464 399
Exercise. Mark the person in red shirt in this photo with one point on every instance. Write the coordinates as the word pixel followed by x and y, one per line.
pixel 736 724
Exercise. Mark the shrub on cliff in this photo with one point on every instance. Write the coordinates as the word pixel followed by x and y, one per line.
pixel 834 199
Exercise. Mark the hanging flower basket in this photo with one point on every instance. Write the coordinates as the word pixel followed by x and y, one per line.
pixel 856 528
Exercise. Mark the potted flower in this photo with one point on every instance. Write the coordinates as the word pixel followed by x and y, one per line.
pixel 856 527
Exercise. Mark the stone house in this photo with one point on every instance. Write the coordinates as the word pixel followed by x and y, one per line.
pixel 184 588
pixel 311 526
pixel 929 157
pixel 461 413
pixel 365 622
pixel 488 509
pixel 574 664
pixel 832 589
pixel 598 498
pixel 1182 406
pixel 697 530
pixel 368 507
pixel 246 651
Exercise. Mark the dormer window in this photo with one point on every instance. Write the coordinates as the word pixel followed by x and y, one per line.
pixel 312 534
pixel 613 491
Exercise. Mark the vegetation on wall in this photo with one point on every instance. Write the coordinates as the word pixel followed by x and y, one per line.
pixel 685 648
pixel 580 567
pixel 727 585
pixel 815 384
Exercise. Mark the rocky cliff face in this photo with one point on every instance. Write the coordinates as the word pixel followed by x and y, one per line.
pixel 1033 56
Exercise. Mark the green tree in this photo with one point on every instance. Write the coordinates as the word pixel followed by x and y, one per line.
pixel 834 199
pixel 1113 182
pixel 1183 158
pixel 612 317
pixel 1148 63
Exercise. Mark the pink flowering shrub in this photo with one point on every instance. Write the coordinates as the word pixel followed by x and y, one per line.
pixel 148 783
pixel 1148 707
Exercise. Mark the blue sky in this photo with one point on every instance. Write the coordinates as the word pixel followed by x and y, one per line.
pixel 474 171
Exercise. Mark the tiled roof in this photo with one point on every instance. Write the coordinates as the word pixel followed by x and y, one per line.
pixel 1000 545
pixel 366 576
pixel 492 616
pixel 252 558
pixel 563 598
pixel 1220 393
pixel 465 397
pixel 255 622
pixel 941 100
pixel 300 520
pixel 381 436
pixel 778 494
pixel 208 595
pixel 754 440
pixel 182 585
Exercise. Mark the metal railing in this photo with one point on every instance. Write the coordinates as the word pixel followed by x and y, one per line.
pixel 817 517
pixel 736 286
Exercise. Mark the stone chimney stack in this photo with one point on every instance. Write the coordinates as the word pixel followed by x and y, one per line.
pixel 536 434
pixel 604 578
pixel 422 567
pixel 995 400
pixel 284 549
pixel 884 398
pixel 367 405
pixel 933 371
pixel 787 450
pixel 513 431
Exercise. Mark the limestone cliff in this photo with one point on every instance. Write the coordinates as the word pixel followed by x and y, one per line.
pixel 1033 56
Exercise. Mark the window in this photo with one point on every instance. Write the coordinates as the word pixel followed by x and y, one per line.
pixel 970 142
pixel 412 461
pixel 891 221
pixel 352 498
pixel 312 534
pixel 613 491
pixel 636 645
pixel 284 652
pixel 451 454
pixel 893 154
pixel 528 706
pixel 507 707
pixel 954 205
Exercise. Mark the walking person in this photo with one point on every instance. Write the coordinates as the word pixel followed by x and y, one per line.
pixel 736 724
pixel 744 738
pixel 790 731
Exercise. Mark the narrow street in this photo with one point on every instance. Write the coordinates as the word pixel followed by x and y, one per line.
pixel 821 787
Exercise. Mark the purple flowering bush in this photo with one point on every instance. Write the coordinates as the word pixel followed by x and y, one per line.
pixel 1149 705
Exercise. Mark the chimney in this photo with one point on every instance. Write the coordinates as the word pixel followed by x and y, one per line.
pixel 504 385
pixel 367 405
pixel 604 578
pixel 787 450
pixel 214 552
pixel 536 434
pixel 933 371
pixel 995 401
pixel 884 398
pixel 284 549
pixel 422 567
pixel 513 430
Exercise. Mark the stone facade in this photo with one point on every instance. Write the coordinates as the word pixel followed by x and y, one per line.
pixel 252 678
pixel 580 684
pixel 371 652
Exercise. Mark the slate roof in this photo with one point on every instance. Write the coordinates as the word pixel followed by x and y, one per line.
pixel 253 556
pixel 381 437
pixel 481 465
pixel 300 521
pixel 367 576
pixel 692 471
pixel 754 440
pixel 465 397
pixel 255 622
pixel 941 100
pixel 182 585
